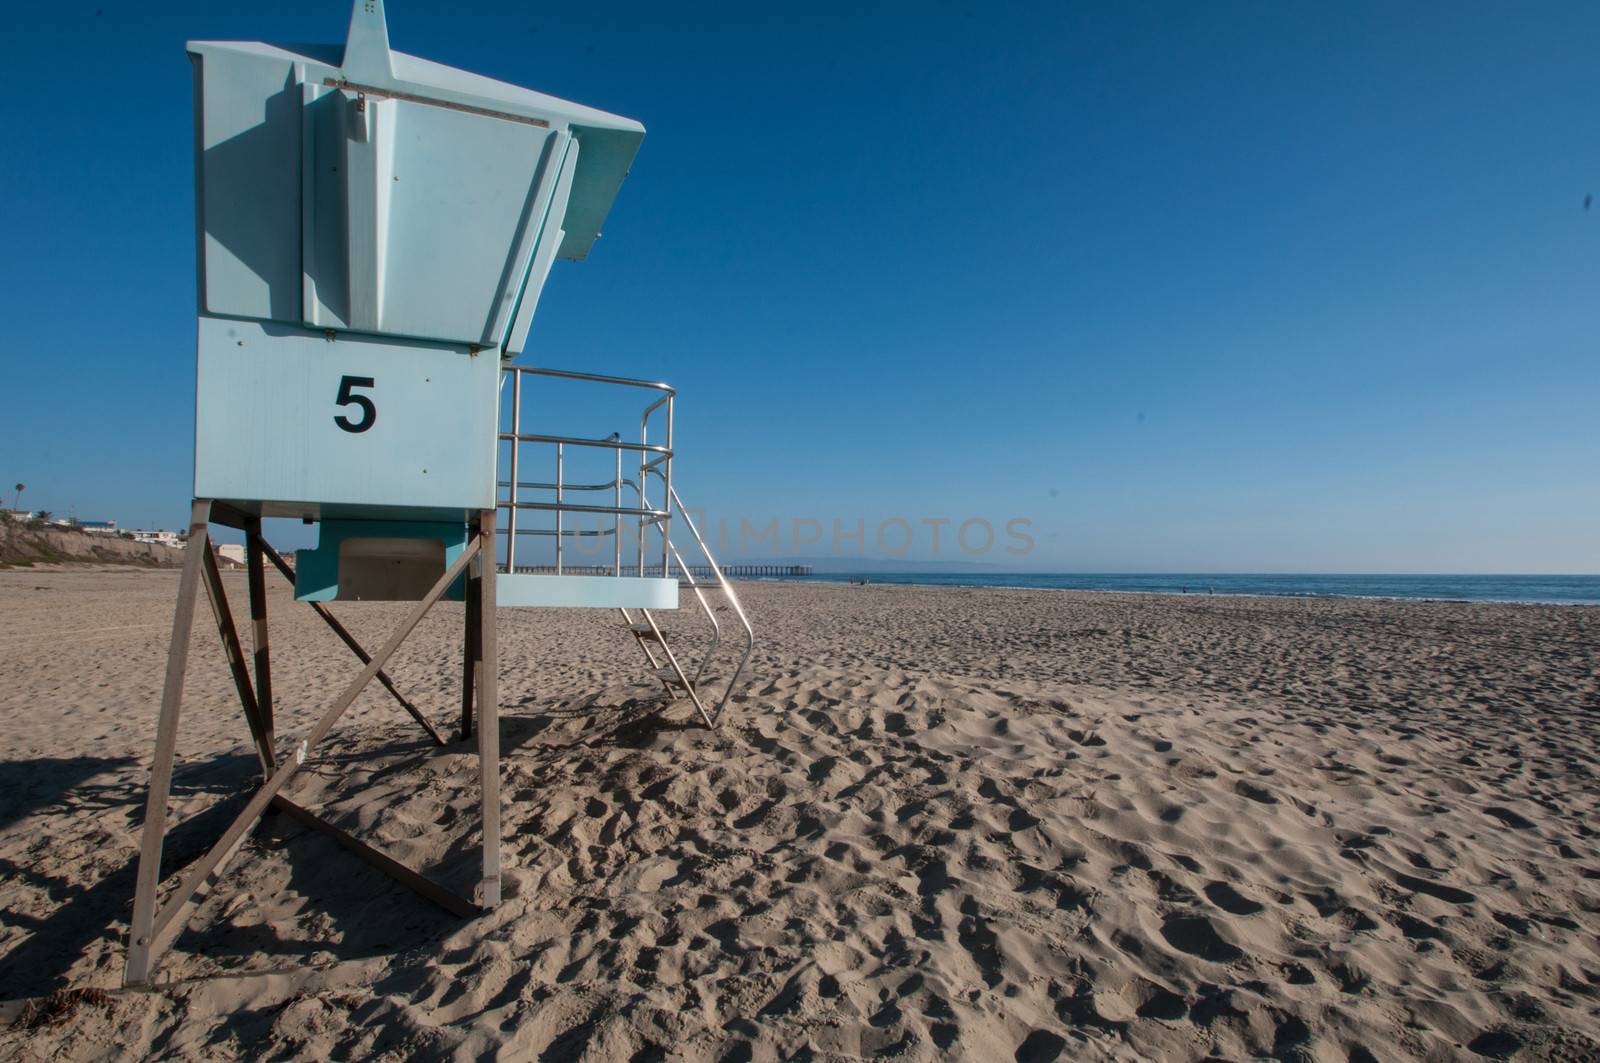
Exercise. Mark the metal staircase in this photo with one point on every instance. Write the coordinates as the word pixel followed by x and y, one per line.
pixel 647 632
pixel 693 676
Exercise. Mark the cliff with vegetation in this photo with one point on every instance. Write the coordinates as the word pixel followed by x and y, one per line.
pixel 29 544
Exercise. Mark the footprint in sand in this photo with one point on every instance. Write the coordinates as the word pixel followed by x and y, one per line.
pixel 1170 890
pixel 1041 1046
pixel 1512 922
pixel 1020 820
pixel 1197 935
pixel 981 943
pixel 1498 1043
pixel 1414 928
pixel 1255 793
pixel 1152 1001
pixel 1510 818
pixel 1433 889
pixel 1231 900
pixel 1298 974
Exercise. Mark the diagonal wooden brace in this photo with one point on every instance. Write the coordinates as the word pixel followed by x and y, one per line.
pixel 355 647
pixel 450 902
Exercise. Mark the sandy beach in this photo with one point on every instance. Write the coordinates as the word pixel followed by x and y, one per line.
pixel 988 824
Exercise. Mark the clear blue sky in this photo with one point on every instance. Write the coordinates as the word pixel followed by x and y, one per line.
pixel 1190 287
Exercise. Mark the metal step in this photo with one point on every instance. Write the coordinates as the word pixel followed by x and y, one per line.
pixel 684 675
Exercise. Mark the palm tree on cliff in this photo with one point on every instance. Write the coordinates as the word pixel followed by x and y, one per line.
pixel 18 504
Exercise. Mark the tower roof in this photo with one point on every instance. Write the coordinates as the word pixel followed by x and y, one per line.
pixel 608 141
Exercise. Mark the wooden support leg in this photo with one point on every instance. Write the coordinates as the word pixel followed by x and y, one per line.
pixel 488 711
pixel 472 643
pixel 257 575
pixel 142 931
pixel 235 655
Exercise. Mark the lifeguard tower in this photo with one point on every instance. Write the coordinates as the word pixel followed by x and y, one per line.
pixel 374 231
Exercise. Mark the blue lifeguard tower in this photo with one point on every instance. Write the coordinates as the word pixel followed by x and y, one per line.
pixel 374 231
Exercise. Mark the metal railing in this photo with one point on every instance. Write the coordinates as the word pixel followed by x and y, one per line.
pixel 550 496
pixel 655 460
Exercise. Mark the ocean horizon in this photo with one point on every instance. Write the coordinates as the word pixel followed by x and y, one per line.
pixel 1562 590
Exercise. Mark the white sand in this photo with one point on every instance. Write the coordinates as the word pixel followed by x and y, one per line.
pixel 992 824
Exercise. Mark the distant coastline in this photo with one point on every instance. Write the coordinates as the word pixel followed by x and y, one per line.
pixel 1531 590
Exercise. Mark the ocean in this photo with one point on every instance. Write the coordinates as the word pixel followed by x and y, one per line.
pixel 1568 590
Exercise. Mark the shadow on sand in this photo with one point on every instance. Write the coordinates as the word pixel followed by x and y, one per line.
pixel 362 912
pixel 359 913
